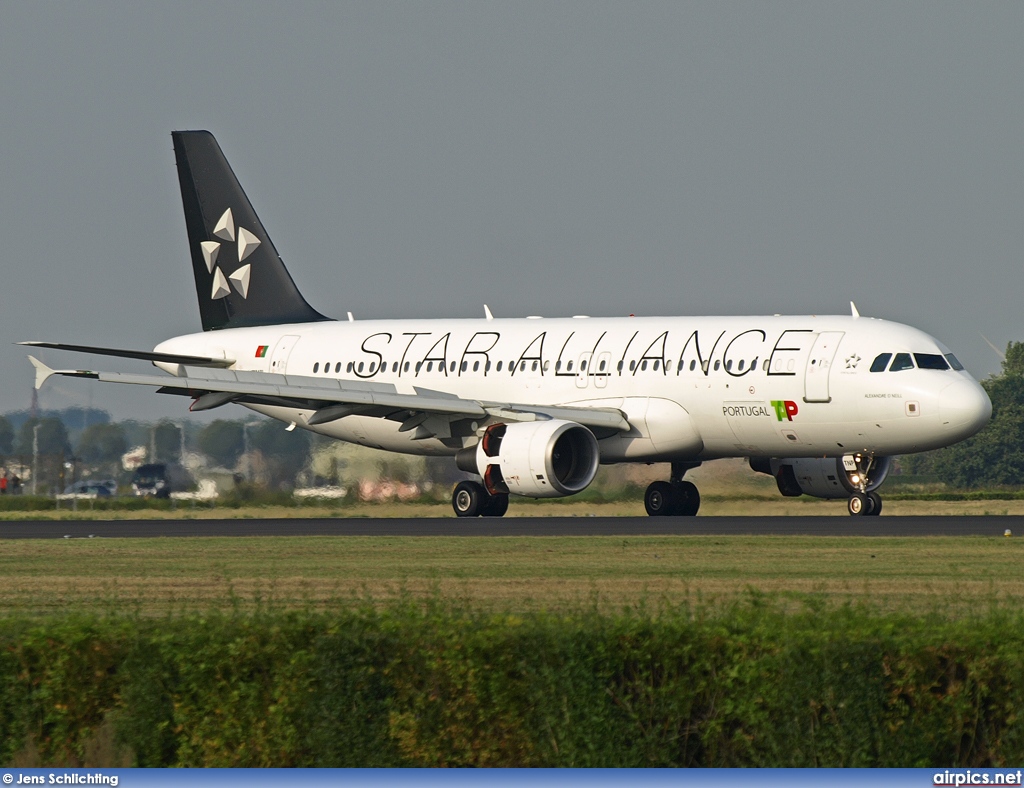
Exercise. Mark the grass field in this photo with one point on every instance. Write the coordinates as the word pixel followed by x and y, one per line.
pixel 162 576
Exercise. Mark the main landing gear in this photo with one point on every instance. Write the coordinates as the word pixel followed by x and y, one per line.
pixel 673 498
pixel 471 499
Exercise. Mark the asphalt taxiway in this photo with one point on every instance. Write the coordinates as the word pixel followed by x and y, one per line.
pixel 521 526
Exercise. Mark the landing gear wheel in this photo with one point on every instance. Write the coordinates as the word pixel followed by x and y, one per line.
pixel 496 506
pixel 660 499
pixel 687 498
pixel 859 505
pixel 468 499
pixel 876 504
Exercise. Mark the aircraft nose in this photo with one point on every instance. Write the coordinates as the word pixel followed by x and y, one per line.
pixel 964 408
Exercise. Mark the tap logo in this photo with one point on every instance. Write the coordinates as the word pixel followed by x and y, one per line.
pixel 785 409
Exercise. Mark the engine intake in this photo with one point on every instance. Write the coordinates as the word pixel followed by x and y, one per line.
pixel 539 459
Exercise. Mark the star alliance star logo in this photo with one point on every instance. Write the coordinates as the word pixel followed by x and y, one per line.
pixel 852 361
pixel 247 243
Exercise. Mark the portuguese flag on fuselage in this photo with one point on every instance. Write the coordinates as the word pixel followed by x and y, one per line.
pixel 261 351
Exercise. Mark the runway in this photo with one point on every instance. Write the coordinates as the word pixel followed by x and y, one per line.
pixel 521 526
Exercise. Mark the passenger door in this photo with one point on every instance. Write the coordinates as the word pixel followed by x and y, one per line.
pixel 819 365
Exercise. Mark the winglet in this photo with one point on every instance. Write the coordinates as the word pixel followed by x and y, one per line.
pixel 42 371
pixel 853 310
pixel 487 312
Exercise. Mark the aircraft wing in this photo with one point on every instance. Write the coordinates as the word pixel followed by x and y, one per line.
pixel 332 399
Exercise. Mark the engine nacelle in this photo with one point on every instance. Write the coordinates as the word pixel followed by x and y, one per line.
pixel 538 459
pixel 823 477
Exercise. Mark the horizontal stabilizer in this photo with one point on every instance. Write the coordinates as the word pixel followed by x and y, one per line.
pixel 144 355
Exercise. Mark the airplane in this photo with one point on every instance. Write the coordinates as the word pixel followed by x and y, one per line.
pixel 532 406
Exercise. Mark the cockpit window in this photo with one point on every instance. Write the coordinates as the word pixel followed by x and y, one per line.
pixel 901 362
pixel 930 361
pixel 954 362
pixel 881 362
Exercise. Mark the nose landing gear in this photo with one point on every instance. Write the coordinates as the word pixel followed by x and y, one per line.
pixel 863 502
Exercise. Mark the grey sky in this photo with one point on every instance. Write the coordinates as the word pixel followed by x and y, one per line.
pixel 420 159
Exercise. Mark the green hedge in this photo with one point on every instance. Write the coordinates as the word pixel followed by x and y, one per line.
pixel 408 686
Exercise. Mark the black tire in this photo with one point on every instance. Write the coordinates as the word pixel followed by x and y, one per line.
pixel 660 500
pixel 859 505
pixel 496 506
pixel 687 499
pixel 468 499
pixel 876 504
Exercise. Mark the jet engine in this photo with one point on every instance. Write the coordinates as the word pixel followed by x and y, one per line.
pixel 824 477
pixel 538 459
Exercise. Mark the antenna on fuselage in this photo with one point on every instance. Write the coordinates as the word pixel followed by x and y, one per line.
pixel 487 312
pixel 351 318
pixel 853 310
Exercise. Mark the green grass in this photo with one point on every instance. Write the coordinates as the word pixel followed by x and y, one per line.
pixel 157 576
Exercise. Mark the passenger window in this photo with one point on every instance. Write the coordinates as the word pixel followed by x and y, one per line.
pixel 430 366
pixel 522 367
pixel 717 365
pixel 465 365
pixel 619 365
pixel 558 366
pixel 394 367
pixel 930 361
pixel 348 367
pixel 568 367
pixel 632 366
pixel 679 366
pixel 643 365
pixel 360 367
pixel 740 367
pixel 373 366
pixel 451 367
pixel 880 362
pixel 657 364
pixel 693 365
pixel 901 362
pixel 583 366
pixel 316 367
pixel 498 368
pixel 603 363
pixel 419 365
pixel 476 366
pixel 534 368
pixel 406 367
pixel 954 363
pixel 728 365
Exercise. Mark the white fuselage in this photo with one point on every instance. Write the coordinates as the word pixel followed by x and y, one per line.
pixel 692 388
